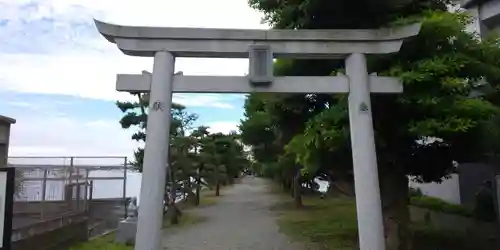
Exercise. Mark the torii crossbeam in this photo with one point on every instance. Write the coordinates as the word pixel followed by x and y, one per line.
pixel 261 46
pixel 141 83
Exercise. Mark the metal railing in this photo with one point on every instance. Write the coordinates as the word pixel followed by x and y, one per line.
pixel 52 187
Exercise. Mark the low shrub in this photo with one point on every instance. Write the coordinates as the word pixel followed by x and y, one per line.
pixel 439 205
pixel 415 192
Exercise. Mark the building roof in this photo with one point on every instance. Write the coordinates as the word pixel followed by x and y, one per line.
pixel 471 3
pixel 5 119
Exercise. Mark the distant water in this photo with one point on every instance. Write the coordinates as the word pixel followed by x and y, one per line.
pixel 102 188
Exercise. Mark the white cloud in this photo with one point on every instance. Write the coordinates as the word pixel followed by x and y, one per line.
pixel 52 47
pixel 223 127
pixel 60 136
pixel 63 136
pixel 70 57
pixel 100 124
pixel 80 75
pixel 20 104
pixel 175 13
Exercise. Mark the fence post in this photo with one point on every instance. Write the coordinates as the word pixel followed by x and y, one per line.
pixel 44 190
pixel 90 196
pixel 71 161
pixel 86 189
pixel 77 186
pixel 125 186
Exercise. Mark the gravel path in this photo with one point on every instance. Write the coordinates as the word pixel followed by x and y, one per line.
pixel 240 220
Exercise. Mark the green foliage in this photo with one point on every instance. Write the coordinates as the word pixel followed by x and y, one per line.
pixel 332 224
pixel 438 78
pixel 223 157
pixel 190 148
pixel 341 14
pixel 440 70
pixel 257 129
pixel 325 140
pixel 443 111
pixel 415 192
pixel 187 219
pixel 429 237
pixel 440 205
pixel 102 243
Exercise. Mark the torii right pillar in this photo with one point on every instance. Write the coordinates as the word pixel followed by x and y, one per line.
pixel 364 158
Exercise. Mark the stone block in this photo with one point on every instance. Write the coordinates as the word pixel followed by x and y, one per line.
pixel 126 231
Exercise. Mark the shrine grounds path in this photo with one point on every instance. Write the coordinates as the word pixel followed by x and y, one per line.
pixel 240 220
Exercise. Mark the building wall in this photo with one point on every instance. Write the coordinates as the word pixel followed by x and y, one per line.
pixel 476 26
pixel 472 179
pixel 486 14
pixel 448 190
pixel 462 187
pixel 59 239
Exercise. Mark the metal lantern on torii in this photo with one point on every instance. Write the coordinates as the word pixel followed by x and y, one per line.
pixel 260 46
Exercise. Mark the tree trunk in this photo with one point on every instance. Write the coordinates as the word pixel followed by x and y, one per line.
pixel 172 208
pixel 188 193
pixel 198 189
pixel 166 201
pixel 297 188
pixel 285 184
pixel 290 180
pixel 396 215
pixel 217 188
pixel 341 188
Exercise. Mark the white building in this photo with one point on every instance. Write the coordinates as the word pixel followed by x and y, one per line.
pixel 486 12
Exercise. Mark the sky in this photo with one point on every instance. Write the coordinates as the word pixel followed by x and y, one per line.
pixel 57 74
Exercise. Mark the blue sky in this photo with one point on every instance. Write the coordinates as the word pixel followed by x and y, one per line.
pixel 57 74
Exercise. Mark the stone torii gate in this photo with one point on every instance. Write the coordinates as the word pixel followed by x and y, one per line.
pixel 260 46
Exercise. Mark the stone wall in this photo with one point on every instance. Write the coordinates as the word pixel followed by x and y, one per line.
pixel 472 177
pixel 60 226
pixel 65 233
pixel 448 190
pixel 99 208
pixel 34 209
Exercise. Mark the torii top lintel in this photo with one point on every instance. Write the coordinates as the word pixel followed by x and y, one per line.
pixel 233 43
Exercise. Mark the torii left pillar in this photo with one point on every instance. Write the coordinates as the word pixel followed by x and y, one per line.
pixel 156 152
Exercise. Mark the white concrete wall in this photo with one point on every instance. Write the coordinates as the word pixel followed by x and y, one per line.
pixel 476 26
pixel 485 12
pixel 448 190
pixel 490 10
